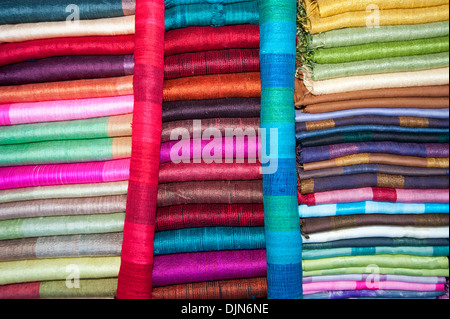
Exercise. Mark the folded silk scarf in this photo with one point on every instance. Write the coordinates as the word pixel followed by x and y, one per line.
pixel 360 129
pixel 438 251
pixel 374 136
pixel 100 127
pixel 239 85
pixel 326 8
pixel 391 195
pixel 373 294
pixel 324 224
pixel 184 172
pixel 61 225
pixel 67 90
pixel 211 14
pixel 216 149
pixel 212 108
pixel 320 72
pixel 238 126
pixel 191 39
pixel 245 288
pixel 425 113
pixel 166 242
pixel 67 151
pixel 206 38
pixel 438 76
pixel 63 207
pixel 67 68
pixel 313 23
pixel 90 245
pixel 64 191
pixel 176 17
pixel 377 52
pixel 363 35
pixel 207 239
pixel 380 277
pixel 31 11
pixel 315 185
pixel 378 231
pixel 89 67
pixel 211 62
pixel 371 207
pixel 384 270
pixel 311 288
pixel 378 158
pixel 182 268
pixel 388 261
pixel 378 242
pixel 395 103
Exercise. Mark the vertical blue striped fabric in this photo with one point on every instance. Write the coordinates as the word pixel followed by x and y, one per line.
pixel 282 225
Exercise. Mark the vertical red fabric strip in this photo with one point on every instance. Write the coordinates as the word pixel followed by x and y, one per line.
pixel 135 275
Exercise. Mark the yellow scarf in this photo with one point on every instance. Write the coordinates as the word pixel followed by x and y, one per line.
pixel 315 23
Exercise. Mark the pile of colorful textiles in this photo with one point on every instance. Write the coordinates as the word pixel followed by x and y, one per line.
pixel 209 236
pixel 373 154
pixel 66 103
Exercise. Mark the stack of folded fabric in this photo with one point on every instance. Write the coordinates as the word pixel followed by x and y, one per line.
pixel 66 103
pixel 210 214
pixel 373 155
pixel 66 147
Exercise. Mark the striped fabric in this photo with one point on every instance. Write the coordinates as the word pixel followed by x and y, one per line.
pixel 282 227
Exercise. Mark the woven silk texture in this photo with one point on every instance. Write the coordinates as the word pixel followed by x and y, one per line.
pixel 413 12
pixel 371 97
pixel 208 212
pixel 66 136
pixel 138 137
pixel 179 16
pixel 224 96
pixel 86 98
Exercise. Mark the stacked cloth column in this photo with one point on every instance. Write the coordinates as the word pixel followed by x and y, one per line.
pixel 372 135
pixel 209 237
pixel 66 103
pixel 282 228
